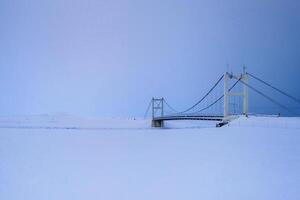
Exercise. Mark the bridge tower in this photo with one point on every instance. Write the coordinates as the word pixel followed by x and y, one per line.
pixel 157 111
pixel 227 94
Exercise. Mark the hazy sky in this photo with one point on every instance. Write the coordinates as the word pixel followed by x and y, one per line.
pixel 109 57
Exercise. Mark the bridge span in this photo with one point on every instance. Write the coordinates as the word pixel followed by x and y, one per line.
pixel 159 121
pixel 196 112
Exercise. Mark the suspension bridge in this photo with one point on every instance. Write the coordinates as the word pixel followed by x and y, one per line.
pixel 234 86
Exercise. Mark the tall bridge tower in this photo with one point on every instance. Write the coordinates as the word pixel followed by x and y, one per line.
pixel 227 93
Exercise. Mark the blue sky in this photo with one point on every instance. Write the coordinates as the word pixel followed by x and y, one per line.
pixel 108 58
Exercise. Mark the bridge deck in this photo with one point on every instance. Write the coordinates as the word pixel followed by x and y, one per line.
pixel 187 117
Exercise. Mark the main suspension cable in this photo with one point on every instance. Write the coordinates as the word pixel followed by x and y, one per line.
pixel 267 97
pixel 215 85
pixel 148 108
pixel 171 108
pixel 278 90
pixel 210 105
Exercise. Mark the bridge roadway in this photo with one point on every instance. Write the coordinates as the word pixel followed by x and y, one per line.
pixel 159 121
pixel 191 117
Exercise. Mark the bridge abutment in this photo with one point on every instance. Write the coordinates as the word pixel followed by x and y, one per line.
pixel 158 123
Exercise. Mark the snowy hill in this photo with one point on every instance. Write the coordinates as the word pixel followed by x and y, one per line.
pixel 66 157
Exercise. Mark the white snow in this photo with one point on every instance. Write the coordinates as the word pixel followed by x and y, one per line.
pixel 66 157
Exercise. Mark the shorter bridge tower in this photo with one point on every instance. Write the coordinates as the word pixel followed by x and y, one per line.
pixel 157 111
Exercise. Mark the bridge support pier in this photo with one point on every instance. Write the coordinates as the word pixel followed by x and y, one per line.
pixel 218 125
pixel 158 123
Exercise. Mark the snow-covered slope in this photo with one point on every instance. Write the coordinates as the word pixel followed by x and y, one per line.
pixel 70 122
pixel 267 122
pixel 74 122
pixel 64 157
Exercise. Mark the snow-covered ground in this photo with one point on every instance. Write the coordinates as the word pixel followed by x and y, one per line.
pixel 66 157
